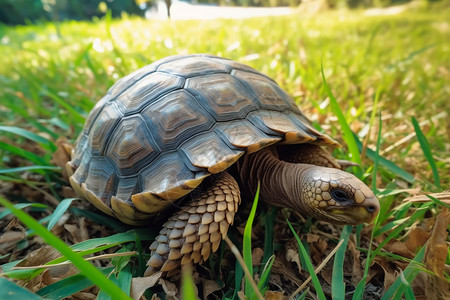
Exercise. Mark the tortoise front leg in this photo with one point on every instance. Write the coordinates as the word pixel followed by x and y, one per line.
pixel 195 231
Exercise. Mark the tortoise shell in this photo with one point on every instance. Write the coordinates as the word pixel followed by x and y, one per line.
pixel 161 130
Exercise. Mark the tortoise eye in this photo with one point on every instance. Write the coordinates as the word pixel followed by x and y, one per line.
pixel 339 195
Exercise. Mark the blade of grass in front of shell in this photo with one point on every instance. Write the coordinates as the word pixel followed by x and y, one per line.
pixel 347 132
pixel 337 277
pixel 309 267
pixel 247 244
pixel 269 220
pixel 187 287
pixel 427 152
pixel 85 267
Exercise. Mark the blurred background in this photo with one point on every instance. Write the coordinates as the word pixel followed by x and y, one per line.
pixel 14 12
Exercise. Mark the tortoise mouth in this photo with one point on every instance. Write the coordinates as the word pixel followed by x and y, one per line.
pixel 354 214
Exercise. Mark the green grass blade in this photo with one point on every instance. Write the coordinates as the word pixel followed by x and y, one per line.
pixel 347 132
pixel 122 237
pixel 401 226
pixel 99 218
pixel 309 266
pixel 386 163
pixel 9 290
pixel 337 283
pixel 59 211
pixel 437 201
pixel 121 278
pixel 409 294
pixel 427 152
pixel 188 287
pixel 247 244
pixel 28 168
pixel 69 286
pixel 21 206
pixel 24 153
pixel 269 220
pixel 85 267
pixel 377 157
pixel 266 273
pixel 410 272
pixel 29 135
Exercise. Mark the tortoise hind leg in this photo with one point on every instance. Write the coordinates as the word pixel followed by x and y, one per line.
pixel 195 231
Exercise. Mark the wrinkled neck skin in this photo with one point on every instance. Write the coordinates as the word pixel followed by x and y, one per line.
pixel 280 181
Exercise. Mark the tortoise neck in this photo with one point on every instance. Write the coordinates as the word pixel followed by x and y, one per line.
pixel 280 181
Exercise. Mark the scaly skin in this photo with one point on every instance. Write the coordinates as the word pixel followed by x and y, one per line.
pixel 309 189
pixel 194 232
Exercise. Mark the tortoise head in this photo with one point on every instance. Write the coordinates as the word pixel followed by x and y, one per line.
pixel 336 196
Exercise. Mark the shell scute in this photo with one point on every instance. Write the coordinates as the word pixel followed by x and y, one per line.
pixel 210 152
pixel 194 66
pixel 147 90
pixel 243 134
pixel 222 95
pixel 129 80
pixel 103 127
pixel 265 91
pixel 131 146
pixel 101 178
pixel 176 117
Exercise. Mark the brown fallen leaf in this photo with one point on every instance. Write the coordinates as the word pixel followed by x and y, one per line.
pixel 62 155
pixel 209 287
pixel 170 289
pixel 9 239
pixel 140 284
pixel 257 256
pixel 436 252
pixel 443 196
pixel 357 268
pixel 40 257
pixel 417 237
pixel 397 247
pixel 293 256
pixel 389 271
pixel 271 295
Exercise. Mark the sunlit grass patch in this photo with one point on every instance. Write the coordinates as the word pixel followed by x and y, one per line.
pixel 377 84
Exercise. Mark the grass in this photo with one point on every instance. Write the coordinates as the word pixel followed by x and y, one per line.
pixel 379 84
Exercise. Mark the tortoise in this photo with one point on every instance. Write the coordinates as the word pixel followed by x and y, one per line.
pixel 193 132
